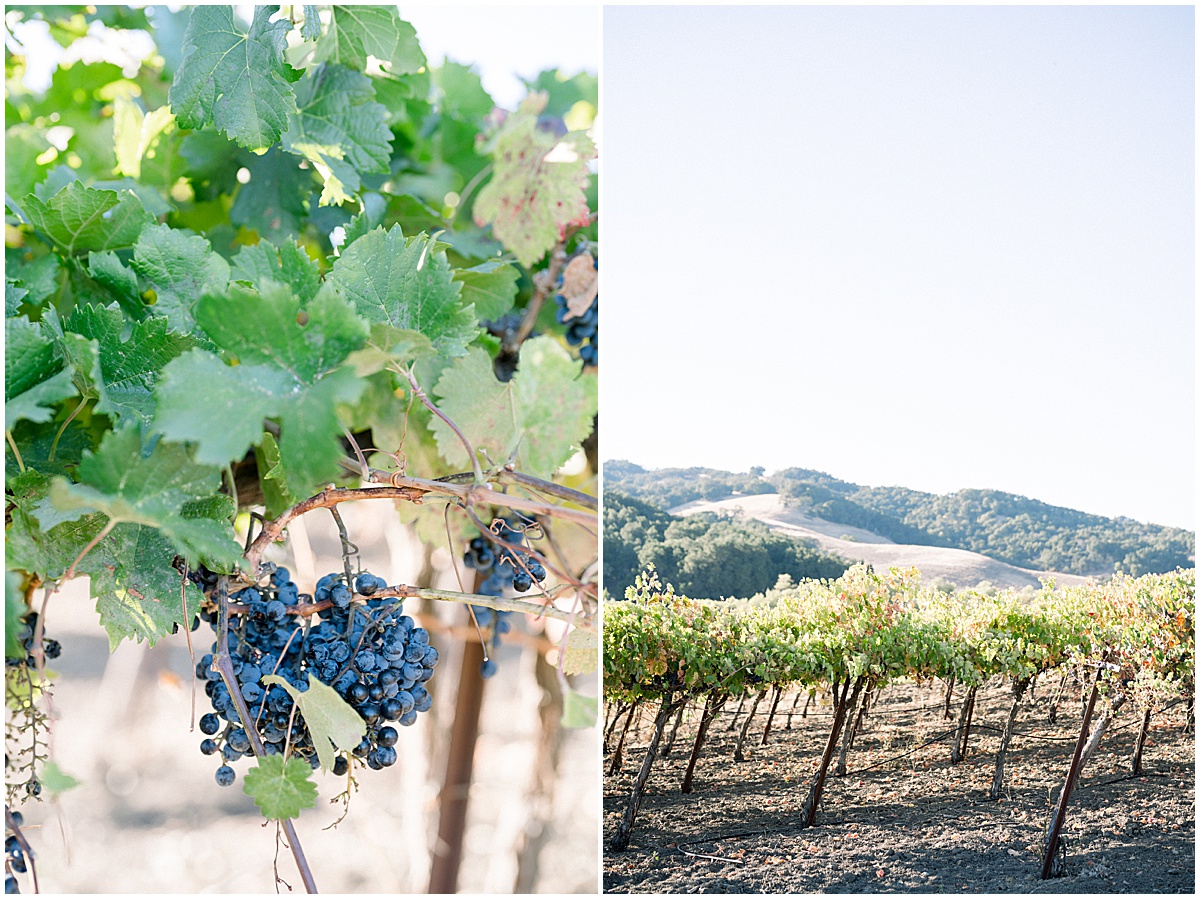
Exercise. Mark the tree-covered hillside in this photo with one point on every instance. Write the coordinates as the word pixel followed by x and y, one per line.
pixel 671 487
pixel 1003 526
pixel 702 555
pixel 1034 534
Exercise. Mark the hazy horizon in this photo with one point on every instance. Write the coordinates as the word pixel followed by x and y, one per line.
pixel 939 247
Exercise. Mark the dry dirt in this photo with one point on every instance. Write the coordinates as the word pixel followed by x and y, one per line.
pixel 954 566
pixel 903 819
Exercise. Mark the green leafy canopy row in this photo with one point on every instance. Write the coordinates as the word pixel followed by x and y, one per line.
pixel 886 627
pixel 251 253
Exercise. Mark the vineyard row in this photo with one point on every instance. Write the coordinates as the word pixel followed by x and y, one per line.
pixel 1128 641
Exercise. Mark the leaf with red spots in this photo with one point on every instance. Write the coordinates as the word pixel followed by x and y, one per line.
pixel 537 189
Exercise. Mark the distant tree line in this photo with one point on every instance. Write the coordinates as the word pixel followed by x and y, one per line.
pixel 703 555
pixel 1003 526
pixel 671 487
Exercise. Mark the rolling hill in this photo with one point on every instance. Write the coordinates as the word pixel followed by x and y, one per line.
pixel 964 538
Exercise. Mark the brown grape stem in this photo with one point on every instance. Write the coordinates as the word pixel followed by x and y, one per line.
pixel 223 664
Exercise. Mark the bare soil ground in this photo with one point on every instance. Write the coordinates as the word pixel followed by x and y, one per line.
pixel 954 566
pixel 903 819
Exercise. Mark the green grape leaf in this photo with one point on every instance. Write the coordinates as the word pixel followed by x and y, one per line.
pixel 129 363
pixel 275 201
pixel 579 710
pixel 537 188
pixel 235 79
pixel 14 608
pixel 474 243
pixel 150 198
pixel 218 507
pixel 138 594
pixel 278 497
pixel 135 131
pixel 46 553
pixel 80 354
pixel 118 279
pixel 406 283
pixel 34 377
pixel 40 277
pixel 582 653
pixel 81 219
pixel 547 406
pixel 356 32
pixel 281 789
pixel 55 779
pixel 414 215
pixel 211 162
pixel 490 286
pixel 371 217
pixel 463 94
pixel 180 269
pixel 13 298
pixel 270 328
pixel 388 347
pixel 23 144
pixel 37 442
pixel 128 482
pixel 285 369
pixel 226 417
pixel 286 264
pixel 56 179
pixel 333 722
pixel 340 129
pixel 311 29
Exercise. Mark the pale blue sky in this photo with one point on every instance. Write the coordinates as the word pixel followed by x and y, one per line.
pixel 940 247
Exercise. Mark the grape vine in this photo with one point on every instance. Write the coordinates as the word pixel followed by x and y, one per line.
pixel 238 293
pixel 1130 637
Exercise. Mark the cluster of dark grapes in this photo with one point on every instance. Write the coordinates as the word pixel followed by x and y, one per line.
pixel 504 366
pixel 581 329
pixel 14 857
pixel 505 570
pixel 376 659
pixel 50 648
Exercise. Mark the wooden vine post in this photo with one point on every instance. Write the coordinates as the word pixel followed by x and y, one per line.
pixel 739 754
pixel 1135 766
pixel 712 708
pixel 1018 691
pixel 808 815
pixel 1054 857
pixel 618 753
pixel 542 788
pixel 771 715
pixel 625 828
pixel 460 763
pixel 848 732
pixel 959 752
